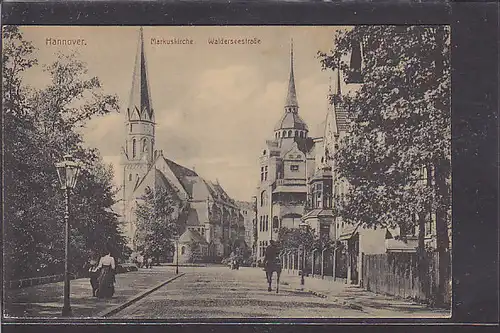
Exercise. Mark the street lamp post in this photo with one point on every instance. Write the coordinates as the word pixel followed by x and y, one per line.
pixel 67 171
pixel 177 257
pixel 303 226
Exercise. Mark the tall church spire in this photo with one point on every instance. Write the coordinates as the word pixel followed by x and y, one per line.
pixel 140 106
pixel 291 104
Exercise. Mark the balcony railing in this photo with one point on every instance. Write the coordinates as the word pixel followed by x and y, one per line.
pixel 290 182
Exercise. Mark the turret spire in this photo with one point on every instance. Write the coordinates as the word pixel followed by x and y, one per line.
pixel 338 91
pixel 140 106
pixel 291 104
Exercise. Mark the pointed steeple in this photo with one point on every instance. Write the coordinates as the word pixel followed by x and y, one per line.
pixel 338 91
pixel 291 104
pixel 140 106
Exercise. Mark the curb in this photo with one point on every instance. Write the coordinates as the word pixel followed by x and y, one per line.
pixel 135 298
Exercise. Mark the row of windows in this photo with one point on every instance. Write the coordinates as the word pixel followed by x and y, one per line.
pixel 200 230
pixel 262 248
pixel 263 173
pixel 264 223
pixel 144 146
pixel 290 134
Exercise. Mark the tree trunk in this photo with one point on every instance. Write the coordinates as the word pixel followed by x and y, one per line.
pixel 441 173
pixel 442 240
pixel 423 270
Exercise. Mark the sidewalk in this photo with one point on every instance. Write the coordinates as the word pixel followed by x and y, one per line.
pixel 46 300
pixel 371 304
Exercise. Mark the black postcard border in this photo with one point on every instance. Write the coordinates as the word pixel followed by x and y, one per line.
pixel 474 124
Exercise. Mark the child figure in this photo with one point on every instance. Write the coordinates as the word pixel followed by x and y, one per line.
pixel 94 274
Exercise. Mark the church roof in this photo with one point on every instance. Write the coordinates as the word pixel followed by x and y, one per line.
pixel 192 236
pixel 305 145
pixel 185 176
pixel 195 216
pixel 220 192
pixel 339 111
pixel 179 170
pixel 291 120
pixel 161 179
pixel 140 106
pixel 341 116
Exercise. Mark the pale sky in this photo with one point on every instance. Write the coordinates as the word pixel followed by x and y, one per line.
pixel 215 105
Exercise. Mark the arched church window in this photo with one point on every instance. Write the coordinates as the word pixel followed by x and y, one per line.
pixel 296 133
pixel 301 134
pixel 133 148
pixel 130 177
pixel 183 250
pixel 284 134
pixel 290 133
pixel 144 145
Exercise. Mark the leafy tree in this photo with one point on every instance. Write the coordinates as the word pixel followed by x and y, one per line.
pixel 296 238
pixel 400 123
pixel 158 222
pixel 40 127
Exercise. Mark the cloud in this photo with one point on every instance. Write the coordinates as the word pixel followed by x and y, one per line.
pixel 105 132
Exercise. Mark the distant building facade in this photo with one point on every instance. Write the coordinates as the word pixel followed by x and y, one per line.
pixel 248 212
pixel 211 214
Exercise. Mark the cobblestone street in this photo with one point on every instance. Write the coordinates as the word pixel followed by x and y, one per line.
pixel 218 292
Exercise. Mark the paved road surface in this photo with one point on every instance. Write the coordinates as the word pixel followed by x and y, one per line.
pixel 218 292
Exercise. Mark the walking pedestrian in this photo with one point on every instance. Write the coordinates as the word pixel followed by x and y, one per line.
pixel 140 260
pixel 94 275
pixel 149 262
pixel 106 278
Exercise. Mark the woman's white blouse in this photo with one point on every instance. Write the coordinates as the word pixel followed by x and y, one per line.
pixel 106 261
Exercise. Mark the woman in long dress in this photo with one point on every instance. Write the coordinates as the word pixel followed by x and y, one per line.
pixel 106 278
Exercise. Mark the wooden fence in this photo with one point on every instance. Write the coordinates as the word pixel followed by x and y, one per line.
pixel 397 274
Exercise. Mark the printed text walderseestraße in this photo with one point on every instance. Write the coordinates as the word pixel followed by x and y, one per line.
pixel 234 41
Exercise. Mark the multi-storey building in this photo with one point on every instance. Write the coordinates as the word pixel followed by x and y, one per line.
pixel 211 214
pixel 357 239
pixel 247 211
pixel 285 164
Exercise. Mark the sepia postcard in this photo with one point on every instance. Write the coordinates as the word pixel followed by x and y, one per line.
pixel 216 172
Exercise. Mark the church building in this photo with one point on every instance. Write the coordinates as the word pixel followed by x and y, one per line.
pixel 211 214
